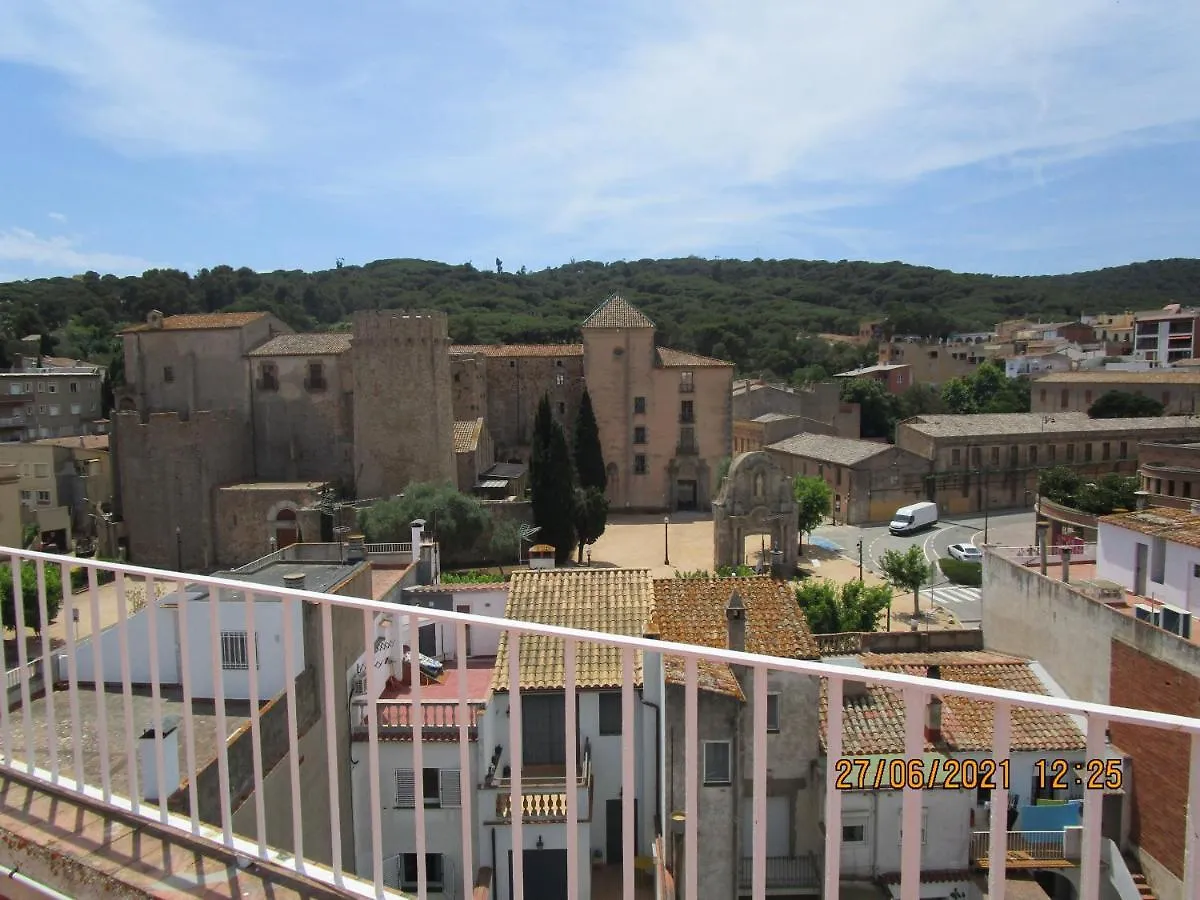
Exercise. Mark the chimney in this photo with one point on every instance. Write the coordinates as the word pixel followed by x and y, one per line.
pixel 853 689
pixel 1066 565
pixel 148 759
pixel 735 618
pixel 355 550
pixel 933 712
pixel 294 580
pixel 1141 499
pixel 418 529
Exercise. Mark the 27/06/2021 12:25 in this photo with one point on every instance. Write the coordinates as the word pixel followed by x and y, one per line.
pixel 884 773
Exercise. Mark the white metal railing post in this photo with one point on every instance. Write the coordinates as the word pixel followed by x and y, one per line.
pixel 218 669
pixel 1093 804
pixel 101 698
pixel 416 720
pixel 1191 877
pixel 49 676
pixel 466 780
pixel 373 753
pixel 131 759
pixel 759 845
pixel 22 663
pixel 290 606
pixel 833 796
pixel 691 808
pixel 329 701
pixel 911 813
pixel 72 679
pixel 998 842
pixel 151 588
pixel 15 565
pixel 572 716
pixel 260 804
pixel 185 680
pixel 628 788
pixel 516 802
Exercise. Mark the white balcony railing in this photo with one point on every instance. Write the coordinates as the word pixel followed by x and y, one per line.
pixel 310 814
pixel 1021 847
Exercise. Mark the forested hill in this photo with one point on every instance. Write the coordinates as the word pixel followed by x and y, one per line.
pixel 747 311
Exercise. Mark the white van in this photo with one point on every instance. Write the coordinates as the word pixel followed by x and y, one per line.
pixel 909 519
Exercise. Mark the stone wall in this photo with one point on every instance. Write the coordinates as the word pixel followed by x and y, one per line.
pixel 301 433
pixel 243 516
pixel 403 409
pixel 515 387
pixel 469 386
pixel 168 470
pixel 1100 655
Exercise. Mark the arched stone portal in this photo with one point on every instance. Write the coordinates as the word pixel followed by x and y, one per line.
pixel 756 498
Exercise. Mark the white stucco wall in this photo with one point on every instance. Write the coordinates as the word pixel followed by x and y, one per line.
pixel 443 827
pixel 553 837
pixel 484 641
pixel 1116 560
pixel 195 620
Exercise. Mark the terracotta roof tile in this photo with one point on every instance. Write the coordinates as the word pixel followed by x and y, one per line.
pixel 466 435
pixel 192 321
pixel 1153 377
pixel 616 312
pixel 874 723
pixel 507 351
pixel 1007 424
pixel 681 359
pixel 692 611
pixel 1179 526
pixel 614 601
pixel 827 448
pixel 314 343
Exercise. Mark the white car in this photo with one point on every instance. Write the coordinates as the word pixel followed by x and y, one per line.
pixel 966 552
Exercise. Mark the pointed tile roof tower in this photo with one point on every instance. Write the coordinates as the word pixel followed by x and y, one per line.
pixel 616 312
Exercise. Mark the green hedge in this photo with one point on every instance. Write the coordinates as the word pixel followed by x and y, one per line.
pixel 965 573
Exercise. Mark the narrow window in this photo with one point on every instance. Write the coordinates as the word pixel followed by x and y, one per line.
pixel 639 406
pixel 717 762
pixel 610 712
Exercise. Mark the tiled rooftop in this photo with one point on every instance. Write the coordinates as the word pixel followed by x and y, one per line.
pixel 517 350
pixel 681 359
pixel 466 435
pixel 1152 377
pixel 692 611
pixel 616 312
pixel 617 601
pixel 314 343
pixel 773 417
pixel 875 722
pixel 82 441
pixel 826 448
pixel 1008 424
pixel 871 370
pixel 191 321
pixel 1181 526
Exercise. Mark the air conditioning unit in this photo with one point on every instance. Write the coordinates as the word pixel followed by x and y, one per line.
pixel 1177 621
pixel 1148 614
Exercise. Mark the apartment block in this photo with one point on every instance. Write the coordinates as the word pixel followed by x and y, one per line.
pixel 1167 336
pixel 50 403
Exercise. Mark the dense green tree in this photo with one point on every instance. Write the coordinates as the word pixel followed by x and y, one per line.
pixel 919 400
pixel 591 515
pixel 30 607
pixel 552 483
pixel 1097 496
pixel 1124 405
pixel 907 571
pixel 457 521
pixel 814 502
pixel 878 410
pixel 853 606
pixel 589 457
pixel 986 390
pixel 505 542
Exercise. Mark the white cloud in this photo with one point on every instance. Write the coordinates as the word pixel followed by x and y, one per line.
pixel 134 80
pixel 748 114
pixel 63 254
pixel 57 217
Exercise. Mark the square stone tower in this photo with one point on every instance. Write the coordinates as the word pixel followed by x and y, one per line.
pixel 403 406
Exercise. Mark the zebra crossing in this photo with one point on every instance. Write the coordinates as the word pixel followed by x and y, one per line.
pixel 955 594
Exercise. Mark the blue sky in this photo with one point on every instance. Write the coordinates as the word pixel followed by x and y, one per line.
pixel 1023 136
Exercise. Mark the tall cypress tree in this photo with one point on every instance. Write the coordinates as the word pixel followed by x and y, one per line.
pixel 589 458
pixel 552 483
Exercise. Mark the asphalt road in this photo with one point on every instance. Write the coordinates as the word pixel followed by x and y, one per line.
pixel 1006 529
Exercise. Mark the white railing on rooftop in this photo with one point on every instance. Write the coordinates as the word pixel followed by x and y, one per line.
pixel 82 706
pixel 388 548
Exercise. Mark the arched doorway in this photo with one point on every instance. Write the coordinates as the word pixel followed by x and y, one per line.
pixel 287 530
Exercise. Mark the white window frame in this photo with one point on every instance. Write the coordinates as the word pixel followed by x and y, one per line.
pixel 773 712
pixel 52 388
pixel 74 387
pixel 924 828
pixel 76 409
pixel 855 821
pixel 716 782
pixel 43 498
pixel 55 409
pixel 235 651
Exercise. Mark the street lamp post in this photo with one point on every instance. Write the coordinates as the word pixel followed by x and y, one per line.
pixel 987 504
pixel 860 560
pixel 178 549
pixel 666 540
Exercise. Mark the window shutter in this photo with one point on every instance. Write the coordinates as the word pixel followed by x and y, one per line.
pixel 451 789
pixel 406 789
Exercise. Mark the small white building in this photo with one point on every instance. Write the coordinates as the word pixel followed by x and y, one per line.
pixel 1154 553
pixel 1033 365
